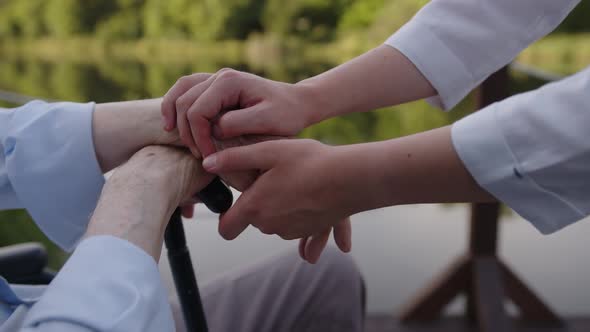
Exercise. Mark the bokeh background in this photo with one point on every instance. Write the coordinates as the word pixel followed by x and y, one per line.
pixel 111 50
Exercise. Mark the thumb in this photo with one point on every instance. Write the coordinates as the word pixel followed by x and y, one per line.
pixel 260 156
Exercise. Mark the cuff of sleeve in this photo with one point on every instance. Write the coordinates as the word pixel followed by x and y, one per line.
pixel 108 284
pixel 445 71
pixel 53 168
pixel 482 147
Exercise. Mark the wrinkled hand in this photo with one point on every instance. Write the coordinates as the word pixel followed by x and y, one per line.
pixel 300 192
pixel 172 172
pixel 198 106
pixel 139 198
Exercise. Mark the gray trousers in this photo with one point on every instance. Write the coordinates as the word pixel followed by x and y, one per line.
pixel 284 293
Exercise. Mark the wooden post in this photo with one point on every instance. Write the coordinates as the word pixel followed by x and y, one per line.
pixel 484 279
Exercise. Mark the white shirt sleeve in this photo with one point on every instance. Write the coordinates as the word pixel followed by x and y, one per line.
pixel 107 285
pixel 456 44
pixel 48 166
pixel 532 151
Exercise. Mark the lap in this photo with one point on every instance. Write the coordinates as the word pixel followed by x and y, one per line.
pixel 284 293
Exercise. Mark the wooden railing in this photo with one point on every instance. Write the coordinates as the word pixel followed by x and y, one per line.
pixel 480 274
pixel 16 98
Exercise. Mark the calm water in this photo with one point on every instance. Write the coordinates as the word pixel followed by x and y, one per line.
pixel 398 249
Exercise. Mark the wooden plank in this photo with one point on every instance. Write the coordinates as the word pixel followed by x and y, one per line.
pixel 489 295
pixel 532 308
pixel 484 229
pixel 470 307
pixel 483 238
pixel 429 305
pixel 494 88
pixel 387 323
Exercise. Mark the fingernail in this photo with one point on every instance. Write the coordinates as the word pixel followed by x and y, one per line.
pixel 210 162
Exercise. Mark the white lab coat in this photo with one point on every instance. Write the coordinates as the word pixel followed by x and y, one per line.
pixel 531 151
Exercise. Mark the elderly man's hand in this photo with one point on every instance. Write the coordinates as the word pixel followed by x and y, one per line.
pixel 139 198
pixel 120 129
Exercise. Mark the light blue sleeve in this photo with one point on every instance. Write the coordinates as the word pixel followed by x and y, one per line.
pixel 532 151
pixel 48 166
pixel 107 285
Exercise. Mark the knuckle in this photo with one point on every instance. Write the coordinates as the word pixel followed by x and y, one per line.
pixel 224 69
pixel 182 104
pixel 166 102
pixel 308 141
pixel 184 81
pixel 228 74
pixel 288 236
pixel 226 123
pixel 313 144
pixel 186 138
pixel 192 114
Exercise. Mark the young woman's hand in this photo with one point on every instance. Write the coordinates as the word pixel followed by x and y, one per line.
pixel 232 103
pixel 305 189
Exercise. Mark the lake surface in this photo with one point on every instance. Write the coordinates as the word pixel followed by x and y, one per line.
pixel 398 249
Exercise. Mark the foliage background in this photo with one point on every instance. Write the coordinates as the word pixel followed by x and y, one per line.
pixel 214 20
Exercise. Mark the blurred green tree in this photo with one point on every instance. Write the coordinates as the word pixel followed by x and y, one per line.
pixel 578 20
pixel 208 20
pixel 63 17
pixel 360 14
pixel 125 23
pixel 25 16
pixel 315 20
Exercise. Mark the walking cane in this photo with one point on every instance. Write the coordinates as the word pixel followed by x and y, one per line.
pixel 218 198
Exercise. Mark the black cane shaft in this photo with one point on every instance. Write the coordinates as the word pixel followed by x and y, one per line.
pixel 218 198
pixel 184 275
